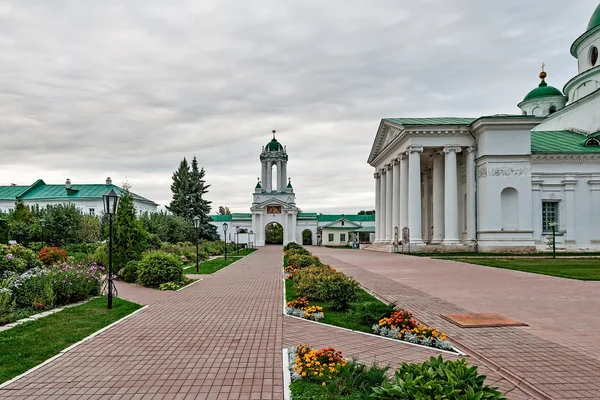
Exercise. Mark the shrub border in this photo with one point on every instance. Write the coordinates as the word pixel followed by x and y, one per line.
pixel 71 347
pixel 190 284
pixel 454 353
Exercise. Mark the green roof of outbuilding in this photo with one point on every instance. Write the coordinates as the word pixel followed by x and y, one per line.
pixel 543 90
pixel 41 191
pixel 353 218
pixel 431 121
pixel 232 217
pixel 221 218
pixel 561 142
pixel 595 20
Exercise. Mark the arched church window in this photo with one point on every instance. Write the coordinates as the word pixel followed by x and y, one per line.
pixel 593 55
pixel 592 142
pixel 552 110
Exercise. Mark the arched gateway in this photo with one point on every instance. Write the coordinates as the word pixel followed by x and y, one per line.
pixel 274 199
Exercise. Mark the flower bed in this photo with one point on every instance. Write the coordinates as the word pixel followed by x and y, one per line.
pixel 314 289
pixel 325 374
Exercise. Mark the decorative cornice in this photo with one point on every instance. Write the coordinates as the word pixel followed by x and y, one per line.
pixel 565 158
pixel 451 148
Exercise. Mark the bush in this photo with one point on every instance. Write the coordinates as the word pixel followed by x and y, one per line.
pixel 75 281
pixel 80 257
pixel 291 245
pixel 307 281
pixel 302 261
pixel 154 242
pixel 88 248
pixel 371 312
pixel 129 273
pixel 32 289
pixel 100 255
pixel 7 306
pixel 437 379
pixel 169 286
pixel 159 267
pixel 338 290
pixel 52 255
pixel 16 258
pixel 300 251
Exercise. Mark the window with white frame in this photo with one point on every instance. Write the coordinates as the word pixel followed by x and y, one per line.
pixel 92 211
pixel 549 215
pixel 330 237
pixel 342 237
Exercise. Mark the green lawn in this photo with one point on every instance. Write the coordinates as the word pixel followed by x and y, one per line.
pixel 25 346
pixel 352 318
pixel 507 255
pixel 587 269
pixel 211 266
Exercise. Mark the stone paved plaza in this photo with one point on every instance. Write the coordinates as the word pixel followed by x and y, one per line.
pixel 222 338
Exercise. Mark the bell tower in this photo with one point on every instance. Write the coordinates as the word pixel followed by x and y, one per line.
pixel 274 199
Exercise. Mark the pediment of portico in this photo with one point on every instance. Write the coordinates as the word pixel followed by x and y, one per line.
pixel 274 203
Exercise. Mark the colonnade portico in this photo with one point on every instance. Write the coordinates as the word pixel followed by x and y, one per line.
pixel 433 215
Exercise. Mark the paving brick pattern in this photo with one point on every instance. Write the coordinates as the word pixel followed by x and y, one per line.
pixel 553 370
pixel 218 339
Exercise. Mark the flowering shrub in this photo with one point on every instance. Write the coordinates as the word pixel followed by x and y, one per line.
pixel 169 286
pixel 32 289
pixel 75 281
pixel 317 365
pixel 300 303
pixel 52 255
pixel 7 306
pixel 16 258
pixel 303 260
pixel 400 325
pixel 290 270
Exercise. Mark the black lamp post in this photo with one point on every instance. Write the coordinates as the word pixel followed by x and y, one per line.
pixel 237 239
pixel 196 228
pixel 111 204
pixel 225 226
pixel 251 237
pixel 42 224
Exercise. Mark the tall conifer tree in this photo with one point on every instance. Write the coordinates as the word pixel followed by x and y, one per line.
pixel 180 205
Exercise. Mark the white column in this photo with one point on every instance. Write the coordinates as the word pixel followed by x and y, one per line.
pixel 269 177
pixel 536 209
pixel 403 191
pixel 438 199
pixel 261 228
pixel 450 195
pixel 293 227
pixel 569 187
pixel 389 190
pixel 471 208
pixel 286 227
pixel 382 205
pixel 377 177
pixel 283 175
pixel 425 206
pixel 414 189
pixel 263 175
pixel 396 199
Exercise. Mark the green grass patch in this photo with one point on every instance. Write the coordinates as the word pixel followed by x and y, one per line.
pixel 360 317
pixel 25 346
pixel 211 266
pixel 242 252
pixel 587 269
pixel 503 255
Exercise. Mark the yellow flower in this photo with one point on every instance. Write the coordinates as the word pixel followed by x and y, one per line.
pixel 323 384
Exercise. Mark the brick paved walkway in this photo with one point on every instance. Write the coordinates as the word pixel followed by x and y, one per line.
pixel 218 339
pixel 553 369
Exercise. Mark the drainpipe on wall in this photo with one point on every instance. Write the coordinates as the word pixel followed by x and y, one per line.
pixel 476 195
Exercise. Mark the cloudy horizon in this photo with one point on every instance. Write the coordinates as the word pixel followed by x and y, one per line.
pixel 127 89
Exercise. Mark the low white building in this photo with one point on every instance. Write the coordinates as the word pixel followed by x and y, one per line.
pixel 498 182
pixel 86 197
pixel 274 202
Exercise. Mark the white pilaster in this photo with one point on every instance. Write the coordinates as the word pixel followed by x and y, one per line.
pixel 283 175
pixel 471 209
pixel 438 199
pixel 403 191
pixel 414 189
pixel 594 224
pixel 293 239
pixel 261 230
pixel 377 177
pixel 263 175
pixel 286 228
pixel 569 187
pixel 382 205
pixel 389 190
pixel 451 195
pixel 396 199
pixel 536 209
pixel 269 177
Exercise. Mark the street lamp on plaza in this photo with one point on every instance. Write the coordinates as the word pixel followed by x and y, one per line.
pixel 111 204
pixel 42 225
pixel 196 228
pixel 251 236
pixel 225 226
pixel 237 239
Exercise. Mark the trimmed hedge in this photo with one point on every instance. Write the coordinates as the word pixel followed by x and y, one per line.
pixel 159 267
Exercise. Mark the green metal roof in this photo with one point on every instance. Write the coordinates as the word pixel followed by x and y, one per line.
pixel 562 142
pixel 353 218
pixel 41 191
pixel 232 217
pixel 274 145
pixel 431 121
pixel 221 218
pixel 595 20
pixel 366 229
pixel 543 90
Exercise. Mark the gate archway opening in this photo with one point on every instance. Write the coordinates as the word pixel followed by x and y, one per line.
pixel 274 233
pixel 307 237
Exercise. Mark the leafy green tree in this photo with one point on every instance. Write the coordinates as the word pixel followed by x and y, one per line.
pixel 274 234
pixel 367 212
pixel 63 224
pixel 22 223
pixel 169 228
pixel 224 211
pixel 129 236
pixel 91 229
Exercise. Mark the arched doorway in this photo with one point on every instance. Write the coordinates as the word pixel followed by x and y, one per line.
pixel 307 237
pixel 274 233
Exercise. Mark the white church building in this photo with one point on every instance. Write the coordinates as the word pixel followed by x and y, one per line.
pixel 274 202
pixel 498 182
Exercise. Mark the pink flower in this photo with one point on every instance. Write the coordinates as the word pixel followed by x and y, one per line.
pixel 9 256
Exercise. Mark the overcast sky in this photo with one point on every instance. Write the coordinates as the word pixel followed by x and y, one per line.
pixel 90 89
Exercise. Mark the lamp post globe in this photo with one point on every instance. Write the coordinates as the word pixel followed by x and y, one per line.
pixel 110 201
pixel 225 226
pixel 196 228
